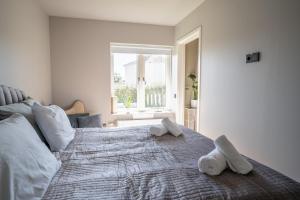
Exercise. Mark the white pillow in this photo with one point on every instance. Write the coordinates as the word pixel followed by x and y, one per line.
pixel 26 164
pixel 55 126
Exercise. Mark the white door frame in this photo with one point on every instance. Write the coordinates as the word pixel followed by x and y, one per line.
pixel 180 47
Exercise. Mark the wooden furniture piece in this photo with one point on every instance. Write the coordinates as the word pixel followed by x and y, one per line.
pixel 190 118
pixel 76 108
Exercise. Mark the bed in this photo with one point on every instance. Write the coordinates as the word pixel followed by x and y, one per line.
pixel 129 163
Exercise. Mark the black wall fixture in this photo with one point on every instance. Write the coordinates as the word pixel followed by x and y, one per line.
pixel 253 57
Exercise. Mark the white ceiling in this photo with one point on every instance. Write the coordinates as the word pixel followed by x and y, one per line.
pixel 162 12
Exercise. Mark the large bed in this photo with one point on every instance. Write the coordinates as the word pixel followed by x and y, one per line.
pixel 129 163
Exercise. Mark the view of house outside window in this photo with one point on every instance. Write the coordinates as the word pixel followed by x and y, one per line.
pixel 139 81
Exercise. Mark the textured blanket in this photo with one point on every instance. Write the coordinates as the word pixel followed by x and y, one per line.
pixel 129 163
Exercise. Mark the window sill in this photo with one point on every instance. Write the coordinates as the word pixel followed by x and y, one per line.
pixel 143 115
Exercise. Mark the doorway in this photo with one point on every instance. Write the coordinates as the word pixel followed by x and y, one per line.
pixel 188 79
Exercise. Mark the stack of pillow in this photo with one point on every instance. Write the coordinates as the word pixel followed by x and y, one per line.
pixel 23 108
pixel 224 154
pixel 55 125
pixel 27 166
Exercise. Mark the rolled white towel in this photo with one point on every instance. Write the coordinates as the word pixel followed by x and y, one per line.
pixel 171 127
pixel 158 131
pixel 235 160
pixel 213 163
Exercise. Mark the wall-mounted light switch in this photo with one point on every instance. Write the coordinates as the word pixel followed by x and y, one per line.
pixel 254 57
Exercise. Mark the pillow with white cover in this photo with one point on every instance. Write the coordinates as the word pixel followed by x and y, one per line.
pixel 24 109
pixel 55 126
pixel 26 165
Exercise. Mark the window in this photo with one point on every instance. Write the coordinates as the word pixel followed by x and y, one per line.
pixel 140 77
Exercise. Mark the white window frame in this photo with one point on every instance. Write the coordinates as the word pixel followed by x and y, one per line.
pixel 140 50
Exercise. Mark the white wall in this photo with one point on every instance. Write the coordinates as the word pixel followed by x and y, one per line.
pixel 257 105
pixel 80 56
pixel 24 48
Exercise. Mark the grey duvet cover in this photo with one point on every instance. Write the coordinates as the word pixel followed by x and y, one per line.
pixel 129 163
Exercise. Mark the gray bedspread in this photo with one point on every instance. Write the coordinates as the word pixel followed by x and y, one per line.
pixel 129 163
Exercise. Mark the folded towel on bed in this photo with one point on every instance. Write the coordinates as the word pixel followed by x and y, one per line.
pixel 235 160
pixel 171 127
pixel 213 163
pixel 158 131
